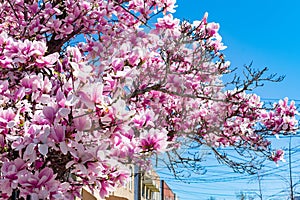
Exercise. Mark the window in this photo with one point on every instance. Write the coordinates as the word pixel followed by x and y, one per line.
pixel 143 190
pixel 130 182
pixel 147 194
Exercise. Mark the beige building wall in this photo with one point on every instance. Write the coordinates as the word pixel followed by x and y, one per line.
pixel 149 183
pixel 86 195
pixel 122 194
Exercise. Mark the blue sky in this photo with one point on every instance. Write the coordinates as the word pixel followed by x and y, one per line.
pixel 266 32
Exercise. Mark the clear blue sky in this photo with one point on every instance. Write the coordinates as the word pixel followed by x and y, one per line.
pixel 266 32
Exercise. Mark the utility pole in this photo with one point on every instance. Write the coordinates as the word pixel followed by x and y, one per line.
pixel 137 183
pixel 290 170
pixel 259 185
pixel 162 183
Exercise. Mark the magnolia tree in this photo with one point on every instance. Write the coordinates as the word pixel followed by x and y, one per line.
pixel 87 86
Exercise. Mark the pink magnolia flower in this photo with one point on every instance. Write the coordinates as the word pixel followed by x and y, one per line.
pixel 81 157
pixel 168 5
pixel 154 140
pixel 167 22
pixel 121 110
pixel 92 95
pixel 49 113
pixel 58 133
pixel 7 118
pixel 40 185
pixel 82 122
pixel 278 156
pixel 10 171
pixel 3 86
pixel 81 70
pixel 144 118
pixel 48 60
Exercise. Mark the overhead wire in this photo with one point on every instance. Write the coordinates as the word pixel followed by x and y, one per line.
pixel 223 179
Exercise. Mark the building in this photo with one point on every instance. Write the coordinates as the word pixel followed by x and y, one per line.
pixel 141 186
pixel 149 186
pixel 166 192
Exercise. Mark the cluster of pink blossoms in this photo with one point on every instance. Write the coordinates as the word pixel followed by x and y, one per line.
pixel 75 115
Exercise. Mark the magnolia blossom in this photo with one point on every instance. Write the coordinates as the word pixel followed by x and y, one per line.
pixel 153 140
pixel 278 156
